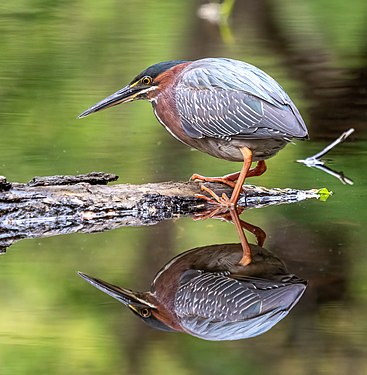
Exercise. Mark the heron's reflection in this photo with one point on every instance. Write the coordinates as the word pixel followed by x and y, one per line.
pixel 208 292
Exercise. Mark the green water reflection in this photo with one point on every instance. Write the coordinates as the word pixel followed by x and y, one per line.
pixel 57 58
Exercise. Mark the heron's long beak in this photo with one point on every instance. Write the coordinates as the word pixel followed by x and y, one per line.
pixel 126 94
pixel 126 296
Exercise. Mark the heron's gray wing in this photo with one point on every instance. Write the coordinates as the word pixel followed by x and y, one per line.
pixel 226 98
pixel 217 307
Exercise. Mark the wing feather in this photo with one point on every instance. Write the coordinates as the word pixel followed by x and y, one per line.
pixel 216 297
pixel 226 99
pixel 218 307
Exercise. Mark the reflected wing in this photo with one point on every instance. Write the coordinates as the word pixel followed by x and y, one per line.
pixel 216 307
pixel 224 98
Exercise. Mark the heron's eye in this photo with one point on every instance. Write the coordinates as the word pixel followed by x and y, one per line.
pixel 146 80
pixel 145 313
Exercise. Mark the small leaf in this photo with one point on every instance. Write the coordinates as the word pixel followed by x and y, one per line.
pixel 324 194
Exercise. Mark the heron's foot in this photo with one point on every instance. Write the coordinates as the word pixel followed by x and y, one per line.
pixel 214 198
pixel 229 179
pixel 216 212
pixel 211 213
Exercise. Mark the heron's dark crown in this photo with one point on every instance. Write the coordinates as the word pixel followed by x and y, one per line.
pixel 157 69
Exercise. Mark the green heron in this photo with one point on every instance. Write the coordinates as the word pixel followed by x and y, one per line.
pixel 208 293
pixel 226 108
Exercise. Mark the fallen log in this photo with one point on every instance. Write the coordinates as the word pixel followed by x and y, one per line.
pixel 48 206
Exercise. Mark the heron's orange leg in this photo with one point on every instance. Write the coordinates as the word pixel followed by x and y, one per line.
pixel 258 170
pixel 230 179
pixel 256 231
pixel 233 216
pixel 222 213
pixel 246 251
pixel 247 160
pixel 224 200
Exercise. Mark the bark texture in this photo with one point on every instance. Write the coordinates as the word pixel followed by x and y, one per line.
pixel 48 206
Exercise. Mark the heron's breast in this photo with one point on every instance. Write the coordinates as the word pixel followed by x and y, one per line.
pixel 165 111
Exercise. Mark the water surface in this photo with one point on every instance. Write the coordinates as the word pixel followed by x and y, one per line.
pixel 59 58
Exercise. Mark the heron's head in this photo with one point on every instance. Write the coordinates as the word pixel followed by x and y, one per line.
pixel 139 303
pixel 141 87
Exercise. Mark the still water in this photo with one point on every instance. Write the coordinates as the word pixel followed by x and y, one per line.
pixel 59 58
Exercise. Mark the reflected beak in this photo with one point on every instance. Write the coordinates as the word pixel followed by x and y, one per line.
pixel 125 296
pixel 126 94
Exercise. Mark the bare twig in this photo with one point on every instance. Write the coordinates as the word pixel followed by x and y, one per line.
pixel 314 161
